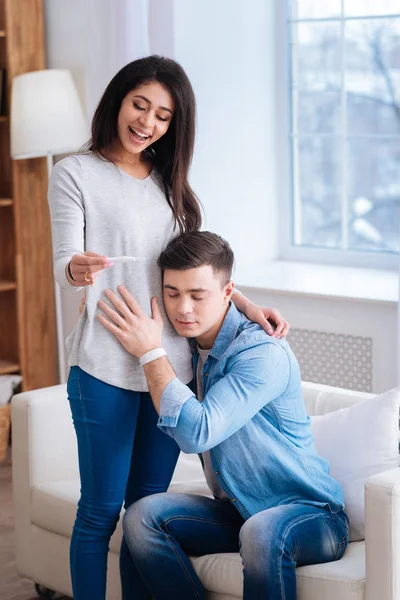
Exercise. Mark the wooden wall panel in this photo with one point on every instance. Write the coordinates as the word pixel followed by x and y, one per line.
pixel 25 35
pixel 35 274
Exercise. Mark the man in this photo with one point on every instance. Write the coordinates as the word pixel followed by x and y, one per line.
pixel 274 500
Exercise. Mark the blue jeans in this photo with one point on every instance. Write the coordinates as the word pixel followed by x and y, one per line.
pixel 123 456
pixel 163 530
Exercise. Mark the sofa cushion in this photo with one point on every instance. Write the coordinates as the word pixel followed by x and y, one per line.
pixel 344 579
pixel 359 441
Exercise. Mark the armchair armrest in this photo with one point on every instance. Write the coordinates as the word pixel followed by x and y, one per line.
pixel 44 443
pixel 382 536
pixel 43 449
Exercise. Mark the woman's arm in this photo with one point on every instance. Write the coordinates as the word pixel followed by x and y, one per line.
pixel 269 318
pixel 73 267
pixel 67 217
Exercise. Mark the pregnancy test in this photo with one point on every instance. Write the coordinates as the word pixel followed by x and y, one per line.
pixel 125 259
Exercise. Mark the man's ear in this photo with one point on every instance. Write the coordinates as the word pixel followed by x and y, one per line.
pixel 228 289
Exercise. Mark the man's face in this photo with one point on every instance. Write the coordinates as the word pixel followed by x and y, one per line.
pixel 196 302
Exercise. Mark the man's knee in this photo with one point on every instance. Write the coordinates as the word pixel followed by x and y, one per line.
pixel 141 519
pixel 262 536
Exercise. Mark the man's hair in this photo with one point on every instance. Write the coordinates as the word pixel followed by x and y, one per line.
pixel 196 249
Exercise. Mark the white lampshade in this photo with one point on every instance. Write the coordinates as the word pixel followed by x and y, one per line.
pixel 46 114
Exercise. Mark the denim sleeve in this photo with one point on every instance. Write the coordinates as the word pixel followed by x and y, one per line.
pixel 255 376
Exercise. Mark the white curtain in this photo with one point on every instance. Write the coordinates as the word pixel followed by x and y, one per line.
pixel 118 34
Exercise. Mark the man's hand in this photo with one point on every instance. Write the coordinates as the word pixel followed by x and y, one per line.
pixel 137 332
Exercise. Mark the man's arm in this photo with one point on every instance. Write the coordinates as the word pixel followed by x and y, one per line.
pixel 256 376
pixel 159 373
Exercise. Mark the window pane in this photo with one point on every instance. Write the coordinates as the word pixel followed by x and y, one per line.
pixel 365 180
pixel 373 76
pixel 318 191
pixel 317 77
pixel 374 194
pixel 357 8
pixel 315 9
pixel 318 112
pixel 316 56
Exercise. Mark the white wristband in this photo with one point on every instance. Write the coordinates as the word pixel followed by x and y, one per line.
pixel 152 355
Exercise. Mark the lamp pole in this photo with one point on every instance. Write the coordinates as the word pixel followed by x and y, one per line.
pixel 58 302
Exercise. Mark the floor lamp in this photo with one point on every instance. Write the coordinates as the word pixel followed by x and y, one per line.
pixel 47 119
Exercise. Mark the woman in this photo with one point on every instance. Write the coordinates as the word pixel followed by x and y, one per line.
pixel 128 195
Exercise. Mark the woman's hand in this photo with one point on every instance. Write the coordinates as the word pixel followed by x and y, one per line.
pixel 266 316
pixel 85 268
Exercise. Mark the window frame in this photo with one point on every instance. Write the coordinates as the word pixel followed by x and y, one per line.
pixel 284 159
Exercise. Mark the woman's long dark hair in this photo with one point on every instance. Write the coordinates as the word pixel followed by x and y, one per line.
pixel 172 153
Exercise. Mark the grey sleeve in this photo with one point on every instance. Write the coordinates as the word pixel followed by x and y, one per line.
pixel 67 214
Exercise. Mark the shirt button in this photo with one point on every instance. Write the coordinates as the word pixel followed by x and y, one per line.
pixel 206 374
pixel 217 472
pixel 233 499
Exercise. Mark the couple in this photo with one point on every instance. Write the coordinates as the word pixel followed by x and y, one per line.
pixel 274 500
pixel 128 195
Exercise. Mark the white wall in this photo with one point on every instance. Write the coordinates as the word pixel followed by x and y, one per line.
pixel 227 49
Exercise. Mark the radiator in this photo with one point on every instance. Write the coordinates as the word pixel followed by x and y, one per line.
pixel 334 359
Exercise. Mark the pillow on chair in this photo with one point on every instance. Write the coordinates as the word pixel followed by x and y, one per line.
pixel 359 441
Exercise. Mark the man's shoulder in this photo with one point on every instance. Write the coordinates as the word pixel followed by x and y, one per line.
pixel 252 336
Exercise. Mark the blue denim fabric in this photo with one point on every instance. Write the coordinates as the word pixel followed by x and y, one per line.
pixel 253 421
pixel 163 530
pixel 123 456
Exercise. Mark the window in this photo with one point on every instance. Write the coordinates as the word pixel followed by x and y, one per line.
pixel 344 64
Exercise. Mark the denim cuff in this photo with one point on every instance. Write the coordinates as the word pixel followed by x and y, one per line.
pixel 173 398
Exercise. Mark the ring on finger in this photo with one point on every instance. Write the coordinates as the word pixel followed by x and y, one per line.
pixel 88 279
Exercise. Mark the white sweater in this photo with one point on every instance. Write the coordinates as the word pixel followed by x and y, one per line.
pixel 95 206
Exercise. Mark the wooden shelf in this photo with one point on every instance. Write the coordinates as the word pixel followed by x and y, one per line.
pixel 6 366
pixel 28 339
pixel 6 286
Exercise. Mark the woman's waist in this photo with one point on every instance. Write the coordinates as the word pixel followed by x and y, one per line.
pixel 90 337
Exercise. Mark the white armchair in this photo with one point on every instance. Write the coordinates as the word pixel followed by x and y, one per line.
pixel 46 490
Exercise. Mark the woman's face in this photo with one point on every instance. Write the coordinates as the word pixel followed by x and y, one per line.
pixel 145 115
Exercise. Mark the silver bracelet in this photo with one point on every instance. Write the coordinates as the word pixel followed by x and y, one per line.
pixel 152 355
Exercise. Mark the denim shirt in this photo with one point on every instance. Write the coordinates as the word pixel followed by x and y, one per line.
pixel 253 420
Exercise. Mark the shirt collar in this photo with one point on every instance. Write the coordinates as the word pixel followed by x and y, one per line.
pixel 226 334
